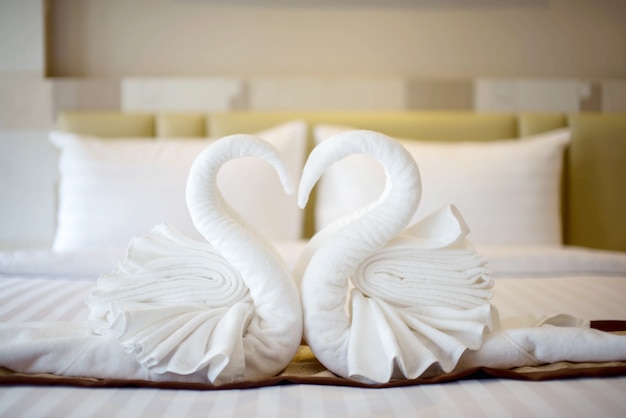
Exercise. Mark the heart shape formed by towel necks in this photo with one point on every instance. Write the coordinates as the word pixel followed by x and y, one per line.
pixel 382 301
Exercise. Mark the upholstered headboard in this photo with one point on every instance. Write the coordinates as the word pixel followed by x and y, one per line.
pixel 594 198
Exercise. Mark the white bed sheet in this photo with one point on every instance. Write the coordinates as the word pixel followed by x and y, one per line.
pixel 505 262
pixel 597 293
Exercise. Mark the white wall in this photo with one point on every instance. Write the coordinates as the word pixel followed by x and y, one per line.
pixel 22 36
pixel 27 160
pixel 28 180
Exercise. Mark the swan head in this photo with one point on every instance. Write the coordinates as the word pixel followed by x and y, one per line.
pixel 396 160
pixel 202 180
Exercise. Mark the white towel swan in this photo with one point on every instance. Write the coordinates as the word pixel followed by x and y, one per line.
pixel 420 302
pixel 421 294
pixel 229 306
pixel 222 311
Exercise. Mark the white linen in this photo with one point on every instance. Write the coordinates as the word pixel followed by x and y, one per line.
pixel 548 343
pixel 590 297
pixel 580 398
pixel 114 188
pixel 401 321
pixel 65 348
pixel 220 311
pixel 553 261
pixel 40 262
pixel 503 262
pixel 585 296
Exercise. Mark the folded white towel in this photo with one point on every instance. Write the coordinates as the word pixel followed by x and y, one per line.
pixel 174 303
pixel 421 294
pixel 554 339
pixel 220 311
pixel 64 348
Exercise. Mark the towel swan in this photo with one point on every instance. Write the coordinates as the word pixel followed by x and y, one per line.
pixel 226 308
pixel 400 322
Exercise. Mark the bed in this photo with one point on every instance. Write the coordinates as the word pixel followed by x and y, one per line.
pixel 555 240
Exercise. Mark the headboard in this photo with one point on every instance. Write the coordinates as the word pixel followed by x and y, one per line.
pixel 594 198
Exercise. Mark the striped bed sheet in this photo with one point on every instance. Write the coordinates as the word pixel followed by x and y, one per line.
pixel 484 398
pixel 588 296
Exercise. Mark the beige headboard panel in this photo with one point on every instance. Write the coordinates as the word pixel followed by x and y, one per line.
pixel 440 126
pixel 108 124
pixel 596 184
pixel 534 123
pixel 181 125
pixel 594 199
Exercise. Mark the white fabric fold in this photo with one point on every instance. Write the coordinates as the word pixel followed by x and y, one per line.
pixel 176 304
pixel 557 339
pixel 426 305
pixel 404 276
pixel 65 348
pixel 173 303
pixel 390 342
pixel 221 311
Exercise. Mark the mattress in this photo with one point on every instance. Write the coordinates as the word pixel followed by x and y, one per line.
pixel 589 284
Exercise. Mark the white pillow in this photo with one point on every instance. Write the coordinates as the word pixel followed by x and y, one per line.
pixel 508 190
pixel 113 189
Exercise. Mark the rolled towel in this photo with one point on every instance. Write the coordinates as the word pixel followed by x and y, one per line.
pixel 545 345
pixel 174 304
pixel 418 296
pixel 553 339
pixel 221 311
pixel 408 271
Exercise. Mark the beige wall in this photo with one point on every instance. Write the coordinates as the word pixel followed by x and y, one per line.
pixel 445 38
pixel 488 55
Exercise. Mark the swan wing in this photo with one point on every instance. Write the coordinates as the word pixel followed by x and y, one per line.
pixel 169 302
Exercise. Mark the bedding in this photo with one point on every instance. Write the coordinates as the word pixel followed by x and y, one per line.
pixel 111 190
pixel 511 262
pixel 533 281
pixel 534 391
pixel 593 200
